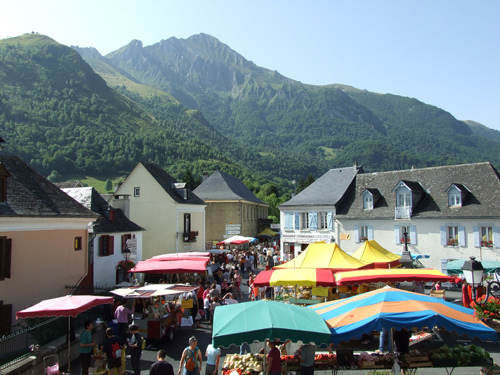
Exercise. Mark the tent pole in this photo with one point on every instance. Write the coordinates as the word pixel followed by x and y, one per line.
pixel 69 344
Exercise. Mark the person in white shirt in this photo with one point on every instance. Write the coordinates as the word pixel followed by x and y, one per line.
pixel 229 299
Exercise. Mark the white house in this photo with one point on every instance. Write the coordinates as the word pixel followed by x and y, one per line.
pixel 172 215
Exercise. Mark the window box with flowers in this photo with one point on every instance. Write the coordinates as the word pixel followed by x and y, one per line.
pixel 407 240
pixel 487 243
pixel 191 236
pixel 125 265
pixel 452 242
pixel 363 239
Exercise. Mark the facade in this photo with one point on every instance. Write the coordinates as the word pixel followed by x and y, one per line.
pixel 232 209
pixel 310 215
pixel 172 216
pixel 43 239
pixel 110 236
pixel 448 212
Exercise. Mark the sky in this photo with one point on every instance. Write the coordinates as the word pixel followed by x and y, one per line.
pixel 444 53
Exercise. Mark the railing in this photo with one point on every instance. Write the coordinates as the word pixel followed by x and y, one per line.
pixel 403 213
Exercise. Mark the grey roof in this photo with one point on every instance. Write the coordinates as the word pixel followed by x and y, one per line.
pixel 31 194
pixel 481 179
pixel 167 183
pixel 327 190
pixel 91 199
pixel 222 186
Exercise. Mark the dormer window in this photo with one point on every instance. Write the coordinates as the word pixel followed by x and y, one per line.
pixel 407 195
pixel 367 201
pixel 456 194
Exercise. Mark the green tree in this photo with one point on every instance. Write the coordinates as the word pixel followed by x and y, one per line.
pixel 108 185
pixel 54 176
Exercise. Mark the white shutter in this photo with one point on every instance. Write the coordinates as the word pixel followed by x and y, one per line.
pixel 356 234
pixel 496 236
pixel 443 236
pixel 370 232
pixel 313 220
pixel 477 242
pixel 288 220
pixel 461 236
pixel 330 220
pixel 413 234
pixel 396 234
pixel 297 220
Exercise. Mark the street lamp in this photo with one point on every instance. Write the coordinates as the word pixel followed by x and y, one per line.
pixel 473 271
pixel 406 260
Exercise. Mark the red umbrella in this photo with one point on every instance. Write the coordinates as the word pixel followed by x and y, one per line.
pixel 168 266
pixel 69 306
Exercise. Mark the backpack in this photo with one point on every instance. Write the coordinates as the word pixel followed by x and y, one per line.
pixel 191 361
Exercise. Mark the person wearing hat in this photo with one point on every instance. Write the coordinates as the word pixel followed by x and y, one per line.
pixel 191 360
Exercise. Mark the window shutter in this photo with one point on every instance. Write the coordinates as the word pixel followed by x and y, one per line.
pixel 356 233
pixel 397 240
pixel 8 257
pixel 413 234
pixel 288 220
pixel 313 220
pixel 370 232
pixel 496 236
pixel 330 220
pixel 477 242
pixel 442 231
pixel 461 236
pixel 297 220
pixel 103 251
pixel 111 245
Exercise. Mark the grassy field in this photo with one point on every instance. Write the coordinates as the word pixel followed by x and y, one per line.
pixel 97 183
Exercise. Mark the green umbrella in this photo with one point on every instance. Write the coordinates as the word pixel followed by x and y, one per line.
pixel 267 320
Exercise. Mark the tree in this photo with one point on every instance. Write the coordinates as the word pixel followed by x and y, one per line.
pixel 54 176
pixel 108 185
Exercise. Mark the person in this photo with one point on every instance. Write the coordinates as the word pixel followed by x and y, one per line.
pixel 466 294
pixel 199 294
pixel 214 304
pixel 86 346
pixel 229 299
pixel 121 315
pixel 113 347
pixel 273 360
pixel 437 285
pixel 237 279
pixel 213 357
pixel 191 360
pixel 307 353
pixel 245 347
pixel 161 367
pixel 402 341
pixel 384 335
pixel 419 287
pixel 134 342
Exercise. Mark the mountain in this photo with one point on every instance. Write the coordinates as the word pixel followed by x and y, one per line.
pixel 327 126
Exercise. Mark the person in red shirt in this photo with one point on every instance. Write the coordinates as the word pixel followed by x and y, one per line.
pixel 200 295
pixel 273 360
pixel 466 295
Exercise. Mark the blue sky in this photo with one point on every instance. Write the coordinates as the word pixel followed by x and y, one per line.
pixel 444 53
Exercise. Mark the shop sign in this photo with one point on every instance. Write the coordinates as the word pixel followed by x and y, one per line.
pixel 319 291
pixel 307 238
pixel 187 303
pixel 345 236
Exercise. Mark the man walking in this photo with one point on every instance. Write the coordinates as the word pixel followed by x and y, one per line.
pixel 161 367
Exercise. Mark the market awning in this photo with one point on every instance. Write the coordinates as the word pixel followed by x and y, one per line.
pixel 325 255
pixel 267 232
pixel 237 240
pixel 167 266
pixel 372 252
pixel 294 276
pixel 161 258
pixel 153 290
pixel 183 256
pixel 390 275
pixel 455 266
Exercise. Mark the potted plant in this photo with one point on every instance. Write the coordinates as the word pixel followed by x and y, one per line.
pixel 191 236
pixel 363 239
pixel 487 243
pixel 407 240
pixel 125 265
pixel 452 242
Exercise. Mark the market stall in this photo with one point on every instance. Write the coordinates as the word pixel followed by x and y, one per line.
pixel 371 252
pixel 392 275
pixel 163 305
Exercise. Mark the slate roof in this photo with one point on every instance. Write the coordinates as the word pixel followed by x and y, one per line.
pixel 32 195
pixel 328 190
pixel 91 199
pixel 222 186
pixel 481 179
pixel 167 183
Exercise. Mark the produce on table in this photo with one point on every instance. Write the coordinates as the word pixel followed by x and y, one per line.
pixel 464 354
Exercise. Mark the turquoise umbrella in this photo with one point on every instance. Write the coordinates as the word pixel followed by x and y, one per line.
pixel 267 320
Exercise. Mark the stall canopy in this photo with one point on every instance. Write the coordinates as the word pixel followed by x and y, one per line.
pixel 325 255
pixel 183 256
pixel 267 320
pixel 372 252
pixel 295 276
pixel 455 266
pixel 391 275
pixel 395 308
pixel 153 290
pixel 236 240
pixel 169 266
pixel 267 233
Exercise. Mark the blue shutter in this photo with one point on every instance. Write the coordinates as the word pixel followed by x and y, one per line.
pixel 370 232
pixel 396 234
pixel 313 220
pixel 477 242
pixel 461 236
pixel 288 220
pixel 413 234
pixel 356 234
pixel 443 236
pixel 297 220
pixel 330 220
pixel 496 236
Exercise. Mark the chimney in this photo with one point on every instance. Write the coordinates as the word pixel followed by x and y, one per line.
pixel 181 189
pixel 122 202
pixel 355 166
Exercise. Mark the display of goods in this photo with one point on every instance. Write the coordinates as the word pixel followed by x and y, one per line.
pixel 463 355
pixel 245 363
pixel 290 360
pixel 375 360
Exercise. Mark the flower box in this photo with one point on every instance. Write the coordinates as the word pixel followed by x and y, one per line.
pixel 486 243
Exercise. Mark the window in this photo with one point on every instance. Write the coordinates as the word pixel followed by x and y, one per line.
pixel 404 199
pixel 455 199
pixel 452 236
pixel 368 202
pixel 486 236
pixel 78 243
pixel 322 220
pixel 125 237
pixel 137 192
pixel 304 220
pixel 5 257
pixel 106 245
pixel 399 234
pixel 187 223
pixel 288 220
pixel 363 233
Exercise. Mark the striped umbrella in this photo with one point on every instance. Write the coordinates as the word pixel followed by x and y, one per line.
pixel 395 308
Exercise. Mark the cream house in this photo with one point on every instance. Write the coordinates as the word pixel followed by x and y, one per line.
pixel 230 204
pixel 43 239
pixel 173 217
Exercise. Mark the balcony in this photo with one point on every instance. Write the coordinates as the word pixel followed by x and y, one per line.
pixel 403 213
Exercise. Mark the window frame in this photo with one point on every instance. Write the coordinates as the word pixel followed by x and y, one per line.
pixel 323 220
pixel 78 243
pixel 304 220
pixel 137 192
pixel 106 245
pixel 367 201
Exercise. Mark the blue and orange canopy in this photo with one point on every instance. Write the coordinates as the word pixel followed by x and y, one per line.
pixel 395 308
